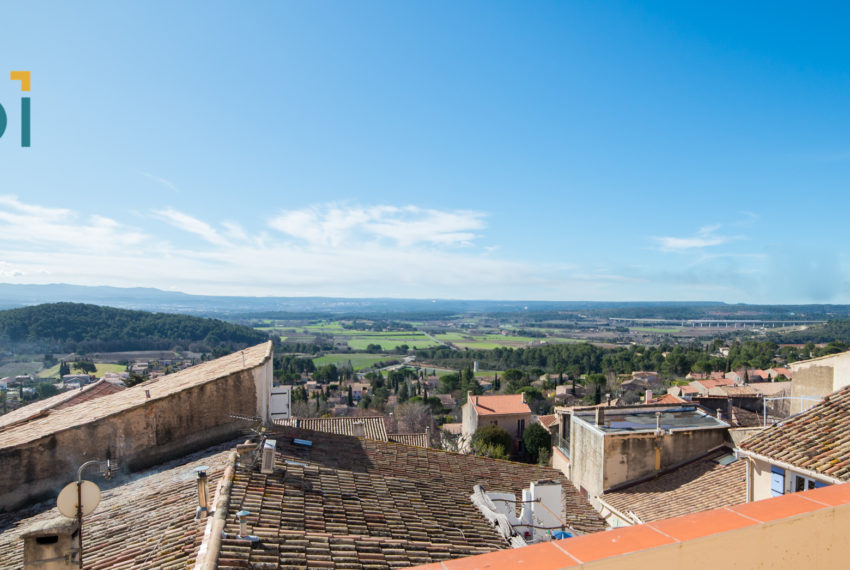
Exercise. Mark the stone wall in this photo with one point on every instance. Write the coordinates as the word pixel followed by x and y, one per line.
pixel 137 437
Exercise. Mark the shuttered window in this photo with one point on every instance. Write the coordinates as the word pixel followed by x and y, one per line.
pixel 777 481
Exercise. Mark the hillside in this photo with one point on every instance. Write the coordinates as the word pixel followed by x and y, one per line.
pixel 88 328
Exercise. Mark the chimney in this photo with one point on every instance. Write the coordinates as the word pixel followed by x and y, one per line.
pixel 648 396
pixel 657 422
pixel 147 394
pixel 719 414
pixel 203 492
pixel 600 416
pixel 52 545
pixel 358 429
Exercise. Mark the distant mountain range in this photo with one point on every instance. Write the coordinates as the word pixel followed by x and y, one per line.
pixel 149 299
pixel 232 307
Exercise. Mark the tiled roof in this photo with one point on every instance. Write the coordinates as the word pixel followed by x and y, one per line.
pixel 373 426
pixel 57 420
pixel 669 399
pixel 454 428
pixel 415 439
pixel 500 405
pixel 817 439
pixel 358 503
pixel 638 546
pixel 697 486
pixel 146 522
pixel 548 421
pixel 734 391
pixel 57 402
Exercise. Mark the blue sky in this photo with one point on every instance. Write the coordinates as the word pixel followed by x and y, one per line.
pixel 480 150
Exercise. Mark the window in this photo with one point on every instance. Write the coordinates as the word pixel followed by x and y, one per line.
pixel 777 481
pixel 802 483
pixel 520 427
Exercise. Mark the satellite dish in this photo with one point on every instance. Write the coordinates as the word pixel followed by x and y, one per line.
pixel 67 500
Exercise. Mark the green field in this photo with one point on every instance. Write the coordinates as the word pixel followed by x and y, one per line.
pixel 102 368
pixel 389 341
pixel 358 361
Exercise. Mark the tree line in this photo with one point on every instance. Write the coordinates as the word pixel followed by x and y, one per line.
pixel 78 327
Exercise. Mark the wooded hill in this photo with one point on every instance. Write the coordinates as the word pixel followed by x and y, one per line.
pixel 76 327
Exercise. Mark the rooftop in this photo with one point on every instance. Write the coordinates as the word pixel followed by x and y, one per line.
pixel 341 502
pixel 817 439
pixel 500 405
pixel 714 480
pixel 61 400
pixel 414 439
pixel 147 521
pixel 643 418
pixel 372 427
pixel 791 531
pixel 56 420
pixel 351 502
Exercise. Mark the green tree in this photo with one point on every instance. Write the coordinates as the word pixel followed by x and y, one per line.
pixel 350 396
pixel 64 369
pixel 492 441
pixel 536 439
pixel 45 390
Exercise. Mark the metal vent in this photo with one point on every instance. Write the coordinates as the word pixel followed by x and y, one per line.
pixel 267 465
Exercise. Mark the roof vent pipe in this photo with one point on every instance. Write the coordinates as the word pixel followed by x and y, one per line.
pixel 147 394
pixel 203 492
pixel 719 414
pixel 658 422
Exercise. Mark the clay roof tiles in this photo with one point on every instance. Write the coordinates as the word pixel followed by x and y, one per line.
pixel 60 400
pixel 147 521
pixel 500 405
pixel 700 485
pixel 817 439
pixel 373 426
pixel 163 387
pixel 415 439
pixel 346 502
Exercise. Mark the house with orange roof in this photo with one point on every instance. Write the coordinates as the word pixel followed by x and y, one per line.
pixel 509 412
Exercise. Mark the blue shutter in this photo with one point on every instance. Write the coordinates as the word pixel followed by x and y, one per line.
pixel 777 481
pixel 819 484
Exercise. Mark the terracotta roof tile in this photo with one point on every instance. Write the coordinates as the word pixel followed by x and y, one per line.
pixel 347 502
pixel 62 400
pixel 373 426
pixel 415 439
pixel 145 521
pixel 162 387
pixel 817 439
pixel 698 486
pixel 500 405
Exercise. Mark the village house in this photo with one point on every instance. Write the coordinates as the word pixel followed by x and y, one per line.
pixel 806 451
pixel 509 412
pixel 602 447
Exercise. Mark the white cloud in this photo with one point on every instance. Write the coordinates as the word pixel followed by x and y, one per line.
pixel 706 236
pixel 163 181
pixel 192 225
pixel 336 225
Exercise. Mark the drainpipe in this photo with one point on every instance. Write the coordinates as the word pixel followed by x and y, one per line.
pixel 749 468
pixel 658 434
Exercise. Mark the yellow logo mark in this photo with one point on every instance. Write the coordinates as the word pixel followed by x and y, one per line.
pixel 23 77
